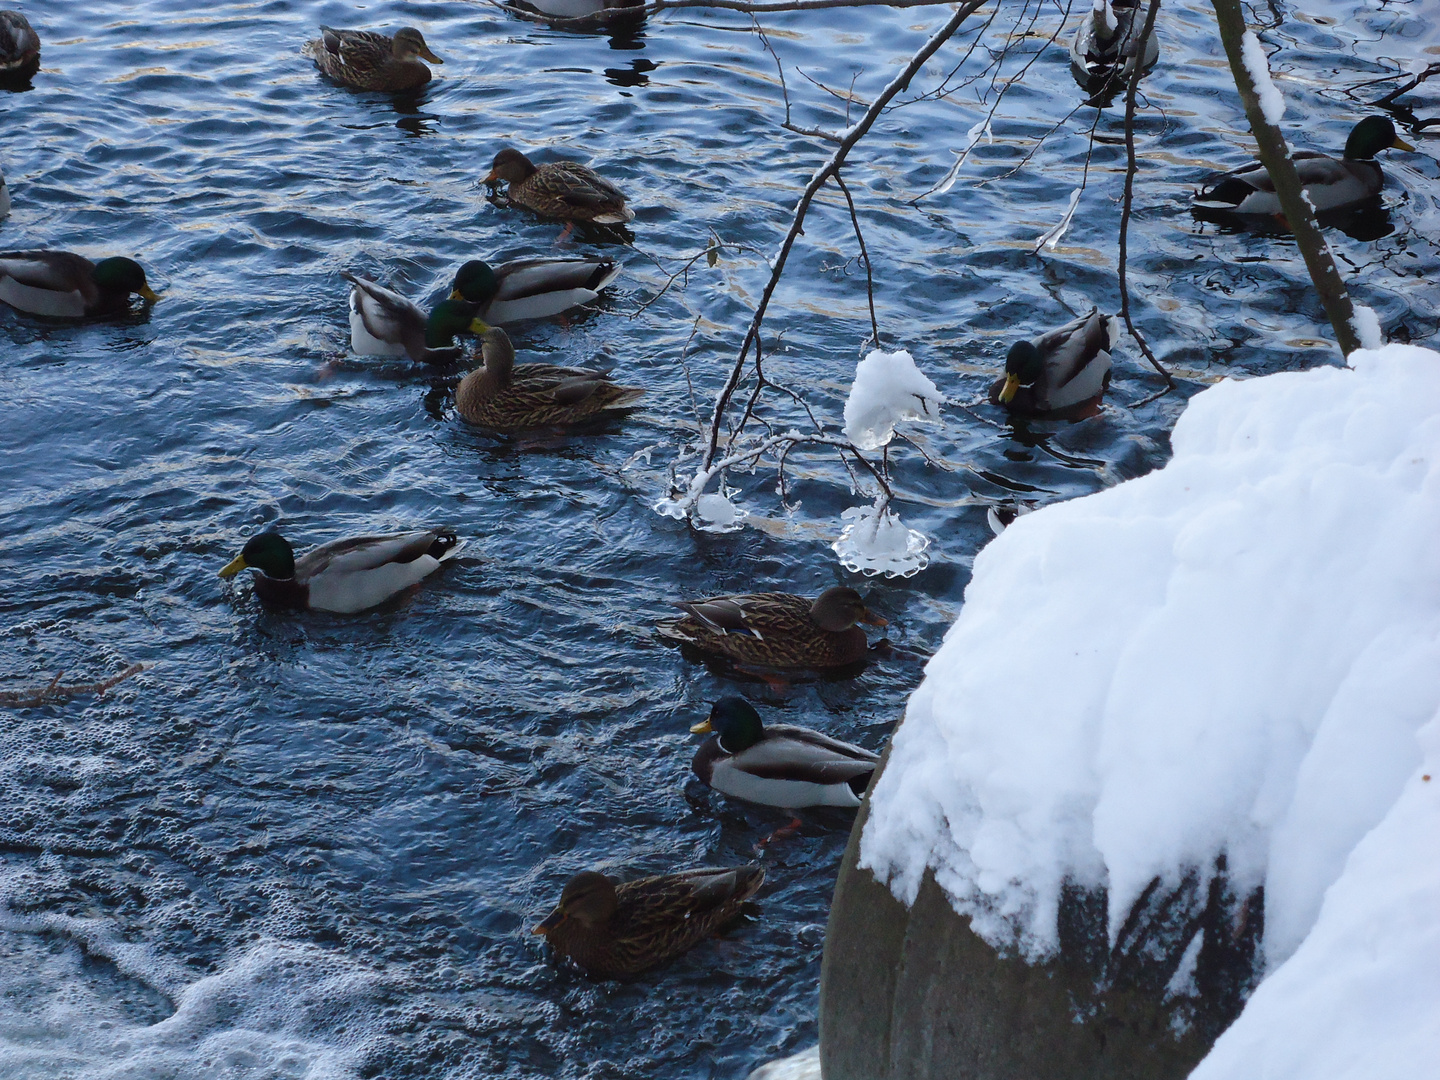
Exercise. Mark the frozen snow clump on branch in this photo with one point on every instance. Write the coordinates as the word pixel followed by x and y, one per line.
pixel 1235 654
pixel 877 542
pixel 888 388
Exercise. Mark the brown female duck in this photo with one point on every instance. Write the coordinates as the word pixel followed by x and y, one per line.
pixel 565 190
pixel 503 396
pixel 616 931
pixel 370 61
pixel 777 630
pixel 19 48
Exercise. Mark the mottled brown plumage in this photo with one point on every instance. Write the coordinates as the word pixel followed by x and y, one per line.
pixel 19 48
pixel 503 396
pixel 370 61
pixel 565 190
pixel 777 630
pixel 616 931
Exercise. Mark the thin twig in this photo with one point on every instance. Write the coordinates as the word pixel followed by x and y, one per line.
pixel 864 254
pixel 1129 197
pixel 53 691
pixel 716 245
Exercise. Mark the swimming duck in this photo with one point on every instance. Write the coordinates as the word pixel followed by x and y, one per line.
pixel 19 47
pixel 779 764
pixel 346 575
pixel 1331 184
pixel 558 189
pixel 531 288
pixel 777 630
pixel 1106 40
pixel 370 61
pixel 504 396
pixel 384 323
pixel 585 15
pixel 63 285
pixel 616 931
pixel 1062 374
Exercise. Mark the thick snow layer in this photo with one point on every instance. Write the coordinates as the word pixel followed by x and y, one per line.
pixel 1360 999
pixel 888 388
pixel 803 1066
pixel 1272 105
pixel 1232 654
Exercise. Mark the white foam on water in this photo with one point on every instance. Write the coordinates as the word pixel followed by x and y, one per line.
pixel 276 1011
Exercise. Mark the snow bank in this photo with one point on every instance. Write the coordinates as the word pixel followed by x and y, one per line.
pixel 888 388
pixel 1234 653
pixel 1360 999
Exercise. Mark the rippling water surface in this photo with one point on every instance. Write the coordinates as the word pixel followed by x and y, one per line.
pixel 313 846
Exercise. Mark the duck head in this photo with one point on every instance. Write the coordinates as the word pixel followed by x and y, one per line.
pixel 408 43
pixel 588 899
pixel 1023 366
pixel 498 354
pixel 120 274
pixel 270 553
pixel 1370 136
pixel 736 723
pixel 511 166
pixel 476 282
pixel 839 608
pixel 451 317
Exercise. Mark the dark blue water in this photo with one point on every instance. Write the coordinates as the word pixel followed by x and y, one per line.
pixel 310 846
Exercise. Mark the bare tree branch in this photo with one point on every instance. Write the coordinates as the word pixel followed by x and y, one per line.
pixel 1129 198
pixel 864 254
pixel 851 136
pixel 39 695
pixel 1275 155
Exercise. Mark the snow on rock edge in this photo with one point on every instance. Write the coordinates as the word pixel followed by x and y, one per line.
pixel 1233 653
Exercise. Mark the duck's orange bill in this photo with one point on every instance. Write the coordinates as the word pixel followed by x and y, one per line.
pixel 233 567
pixel 871 619
pixel 554 919
pixel 702 728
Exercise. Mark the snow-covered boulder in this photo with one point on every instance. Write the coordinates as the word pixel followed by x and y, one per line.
pixel 1238 654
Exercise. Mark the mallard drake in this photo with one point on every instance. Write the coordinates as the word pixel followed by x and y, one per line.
pixel 504 396
pixel 19 47
pixel 384 323
pixel 63 285
pixel 345 576
pixel 1106 40
pixel 565 190
pixel 531 288
pixel 777 630
pixel 616 931
pixel 1062 374
pixel 370 61
pixel 779 764
pixel 1330 184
